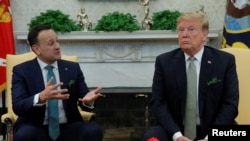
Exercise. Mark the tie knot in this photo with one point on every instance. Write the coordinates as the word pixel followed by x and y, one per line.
pixel 191 59
pixel 49 67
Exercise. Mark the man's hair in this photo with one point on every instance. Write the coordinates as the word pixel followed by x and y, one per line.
pixel 33 33
pixel 195 15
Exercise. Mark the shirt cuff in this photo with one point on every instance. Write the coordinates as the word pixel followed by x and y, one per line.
pixel 90 106
pixel 36 101
pixel 176 135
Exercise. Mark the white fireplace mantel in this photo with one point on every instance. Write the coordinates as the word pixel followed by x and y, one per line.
pixel 136 35
pixel 117 59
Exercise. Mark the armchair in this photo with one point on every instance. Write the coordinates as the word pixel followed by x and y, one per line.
pixel 242 57
pixel 9 118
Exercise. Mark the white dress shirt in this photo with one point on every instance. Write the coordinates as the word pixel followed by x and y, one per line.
pixel 62 115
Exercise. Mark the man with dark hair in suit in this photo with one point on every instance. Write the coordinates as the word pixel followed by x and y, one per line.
pixel 32 90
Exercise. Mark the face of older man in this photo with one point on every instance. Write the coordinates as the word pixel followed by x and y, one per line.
pixel 190 35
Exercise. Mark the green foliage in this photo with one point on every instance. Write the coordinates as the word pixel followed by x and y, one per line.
pixel 165 20
pixel 117 22
pixel 59 21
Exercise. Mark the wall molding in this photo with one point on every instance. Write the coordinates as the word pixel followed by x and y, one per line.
pixel 141 35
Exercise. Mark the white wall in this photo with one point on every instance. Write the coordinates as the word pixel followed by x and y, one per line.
pixel 24 10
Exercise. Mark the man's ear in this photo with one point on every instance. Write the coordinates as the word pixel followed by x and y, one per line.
pixel 36 49
pixel 205 35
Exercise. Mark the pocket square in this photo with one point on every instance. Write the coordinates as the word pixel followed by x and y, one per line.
pixel 213 81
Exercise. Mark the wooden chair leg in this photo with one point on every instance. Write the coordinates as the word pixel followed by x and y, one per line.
pixel 4 110
pixel 9 134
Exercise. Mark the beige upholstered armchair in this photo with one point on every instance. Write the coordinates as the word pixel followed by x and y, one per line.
pixel 9 118
pixel 242 57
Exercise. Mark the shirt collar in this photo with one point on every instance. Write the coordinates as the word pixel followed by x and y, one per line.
pixel 197 56
pixel 43 64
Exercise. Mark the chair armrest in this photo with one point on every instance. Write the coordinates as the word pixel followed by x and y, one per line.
pixel 7 118
pixel 87 116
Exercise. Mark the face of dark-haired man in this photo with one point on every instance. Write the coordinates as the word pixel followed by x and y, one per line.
pixel 48 48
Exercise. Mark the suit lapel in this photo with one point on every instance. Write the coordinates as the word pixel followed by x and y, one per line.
pixel 63 69
pixel 180 73
pixel 63 74
pixel 38 81
pixel 180 68
pixel 207 66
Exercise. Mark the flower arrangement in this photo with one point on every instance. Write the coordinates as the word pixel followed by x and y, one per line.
pixel 59 21
pixel 165 20
pixel 117 21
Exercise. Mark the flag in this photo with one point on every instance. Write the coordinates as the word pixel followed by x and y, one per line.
pixel 236 31
pixel 6 39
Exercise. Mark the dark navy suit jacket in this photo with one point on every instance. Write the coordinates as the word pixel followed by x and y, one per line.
pixel 27 81
pixel 218 101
